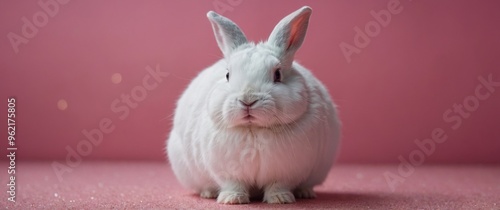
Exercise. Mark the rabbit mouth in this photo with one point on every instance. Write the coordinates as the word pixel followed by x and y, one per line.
pixel 249 118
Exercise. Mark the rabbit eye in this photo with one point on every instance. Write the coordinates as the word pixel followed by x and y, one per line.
pixel 227 76
pixel 277 75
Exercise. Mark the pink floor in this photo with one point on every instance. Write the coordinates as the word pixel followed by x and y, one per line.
pixel 151 185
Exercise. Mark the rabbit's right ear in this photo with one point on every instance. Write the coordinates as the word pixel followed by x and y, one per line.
pixel 228 35
pixel 290 32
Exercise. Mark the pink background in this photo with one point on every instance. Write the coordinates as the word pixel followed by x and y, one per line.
pixel 396 90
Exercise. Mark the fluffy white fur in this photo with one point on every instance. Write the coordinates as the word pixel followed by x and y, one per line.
pixel 260 132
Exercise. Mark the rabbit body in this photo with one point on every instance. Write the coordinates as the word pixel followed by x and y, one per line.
pixel 256 130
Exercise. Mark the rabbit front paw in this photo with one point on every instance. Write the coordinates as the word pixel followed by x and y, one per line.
pixel 233 197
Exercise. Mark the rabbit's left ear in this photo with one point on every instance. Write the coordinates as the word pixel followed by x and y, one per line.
pixel 290 32
pixel 228 35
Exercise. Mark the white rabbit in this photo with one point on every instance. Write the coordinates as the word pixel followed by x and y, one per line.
pixel 256 121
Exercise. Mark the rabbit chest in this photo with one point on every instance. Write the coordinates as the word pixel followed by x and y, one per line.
pixel 259 155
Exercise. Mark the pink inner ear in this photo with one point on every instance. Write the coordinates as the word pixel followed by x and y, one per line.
pixel 293 32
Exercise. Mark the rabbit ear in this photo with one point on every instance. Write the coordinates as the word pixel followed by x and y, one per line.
pixel 289 33
pixel 228 35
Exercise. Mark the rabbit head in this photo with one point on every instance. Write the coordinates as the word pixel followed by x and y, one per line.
pixel 260 85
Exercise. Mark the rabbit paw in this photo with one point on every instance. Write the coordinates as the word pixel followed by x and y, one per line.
pixel 279 197
pixel 209 193
pixel 232 197
pixel 304 193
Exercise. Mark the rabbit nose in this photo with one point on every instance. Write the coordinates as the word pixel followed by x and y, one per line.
pixel 248 104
